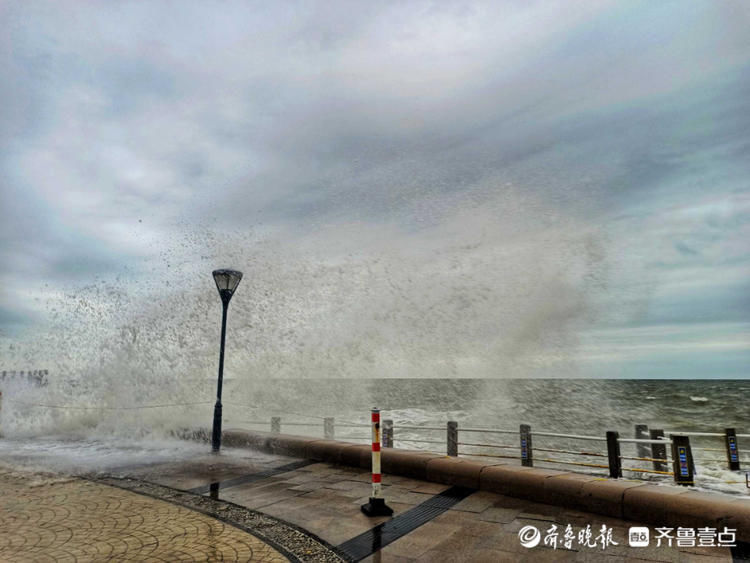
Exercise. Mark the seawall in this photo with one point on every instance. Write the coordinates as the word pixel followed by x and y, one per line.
pixel 657 505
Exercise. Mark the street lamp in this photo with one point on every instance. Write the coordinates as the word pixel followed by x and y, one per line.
pixel 226 282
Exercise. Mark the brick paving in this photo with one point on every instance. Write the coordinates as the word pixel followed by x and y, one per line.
pixel 51 519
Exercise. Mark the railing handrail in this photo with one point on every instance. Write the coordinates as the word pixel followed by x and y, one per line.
pixel 572 436
pixel 645 440
pixel 681 433
pixel 487 430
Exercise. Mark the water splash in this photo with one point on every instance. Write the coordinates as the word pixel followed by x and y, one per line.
pixel 491 286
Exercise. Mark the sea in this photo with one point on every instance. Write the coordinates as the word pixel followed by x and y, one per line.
pixel 70 429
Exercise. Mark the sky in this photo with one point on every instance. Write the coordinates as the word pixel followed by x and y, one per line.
pixel 412 189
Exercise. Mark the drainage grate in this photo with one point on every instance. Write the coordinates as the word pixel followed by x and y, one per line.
pixel 381 535
pixel 215 487
pixel 741 552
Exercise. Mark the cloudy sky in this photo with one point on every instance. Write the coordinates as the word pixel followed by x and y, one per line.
pixel 450 189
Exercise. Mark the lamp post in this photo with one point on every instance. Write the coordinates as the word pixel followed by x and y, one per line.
pixel 226 282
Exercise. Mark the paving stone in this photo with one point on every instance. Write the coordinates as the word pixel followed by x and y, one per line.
pixel 476 556
pixel 696 558
pixel 467 523
pixel 599 558
pixel 344 485
pixel 503 501
pixel 76 521
pixel 501 515
pixel 502 541
pixel 540 517
pixel 421 540
pixel 537 555
pixel 307 487
pixel 428 488
pixel 247 499
pixel 706 551
pixel 477 502
pixel 405 496
pixel 384 556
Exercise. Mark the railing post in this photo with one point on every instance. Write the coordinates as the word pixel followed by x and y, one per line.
pixel 658 451
pixel 452 438
pixel 613 453
pixel 328 431
pixel 276 424
pixel 682 460
pixel 733 449
pixel 388 433
pixel 527 453
pixel 641 433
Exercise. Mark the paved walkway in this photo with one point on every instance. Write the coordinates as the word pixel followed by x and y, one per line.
pixel 325 500
pixel 51 519
pixel 203 508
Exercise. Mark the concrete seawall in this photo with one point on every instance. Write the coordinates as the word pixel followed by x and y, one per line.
pixel 658 505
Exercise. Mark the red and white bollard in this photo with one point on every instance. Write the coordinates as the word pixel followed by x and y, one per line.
pixel 376 506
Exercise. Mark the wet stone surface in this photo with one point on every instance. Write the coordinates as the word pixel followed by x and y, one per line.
pixel 267 508
pixel 290 539
pixel 44 517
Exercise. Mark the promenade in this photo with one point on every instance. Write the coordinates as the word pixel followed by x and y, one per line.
pixel 261 507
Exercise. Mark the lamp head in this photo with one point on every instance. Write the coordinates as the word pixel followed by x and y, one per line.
pixel 226 282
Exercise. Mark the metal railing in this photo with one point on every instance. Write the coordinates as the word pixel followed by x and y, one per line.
pixel 670 453
pixel 655 455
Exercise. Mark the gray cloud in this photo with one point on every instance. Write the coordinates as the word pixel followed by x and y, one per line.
pixel 135 135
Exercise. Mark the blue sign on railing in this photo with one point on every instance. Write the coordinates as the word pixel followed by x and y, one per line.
pixel 733 448
pixel 524 453
pixel 682 455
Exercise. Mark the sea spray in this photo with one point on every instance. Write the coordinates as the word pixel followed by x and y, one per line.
pixel 497 287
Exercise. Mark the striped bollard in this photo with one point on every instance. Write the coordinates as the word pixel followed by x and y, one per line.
pixel 376 506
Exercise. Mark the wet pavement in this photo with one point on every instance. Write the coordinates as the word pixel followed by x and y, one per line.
pixel 262 507
pixel 470 525
pixel 46 518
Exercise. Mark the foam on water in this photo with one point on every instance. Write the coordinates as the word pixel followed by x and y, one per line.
pixel 79 455
pixel 568 406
